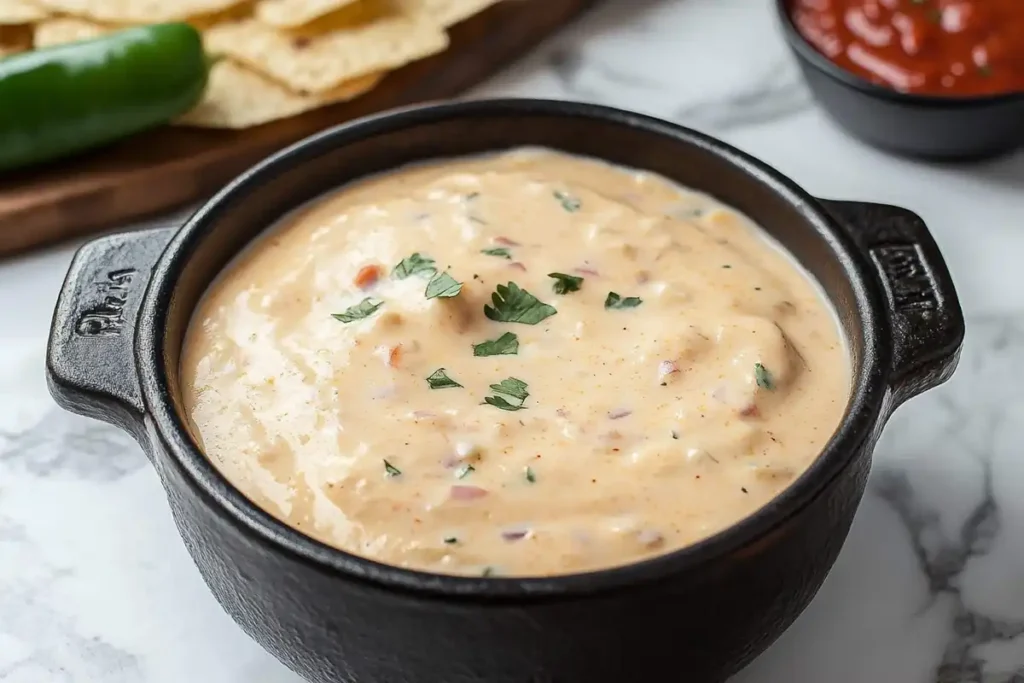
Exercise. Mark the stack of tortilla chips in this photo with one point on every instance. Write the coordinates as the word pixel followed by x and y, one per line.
pixel 276 58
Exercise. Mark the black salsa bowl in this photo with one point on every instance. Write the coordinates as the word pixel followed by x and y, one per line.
pixel 331 616
pixel 930 127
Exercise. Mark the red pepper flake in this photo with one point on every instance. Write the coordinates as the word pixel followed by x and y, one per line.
pixel 587 271
pixel 618 413
pixel 506 242
pixel 461 492
pixel 517 265
pixel 367 276
pixel 395 356
pixel 300 42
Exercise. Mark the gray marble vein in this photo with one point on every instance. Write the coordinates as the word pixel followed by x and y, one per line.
pixel 62 443
pixel 775 91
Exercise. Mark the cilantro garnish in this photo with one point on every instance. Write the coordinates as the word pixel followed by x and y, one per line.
pixel 440 380
pixel 530 476
pixel 442 285
pixel 498 251
pixel 616 302
pixel 511 387
pixel 464 471
pixel 451 540
pixel 569 203
pixel 515 305
pixel 505 345
pixel 363 309
pixel 565 283
pixel 764 377
pixel 391 470
pixel 417 263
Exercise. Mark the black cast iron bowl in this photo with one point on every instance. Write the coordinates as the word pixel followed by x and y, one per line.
pixel 701 612
pixel 928 127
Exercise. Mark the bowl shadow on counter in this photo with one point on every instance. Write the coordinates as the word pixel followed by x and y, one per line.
pixel 927 581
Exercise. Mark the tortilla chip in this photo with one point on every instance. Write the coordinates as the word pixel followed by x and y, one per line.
pixel 66 30
pixel 445 13
pixel 16 12
pixel 294 13
pixel 237 97
pixel 320 63
pixel 139 11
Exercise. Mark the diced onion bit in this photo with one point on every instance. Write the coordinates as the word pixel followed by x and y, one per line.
pixel 650 538
pixel 665 369
pixel 463 492
pixel 515 533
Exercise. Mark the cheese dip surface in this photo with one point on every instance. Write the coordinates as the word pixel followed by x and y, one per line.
pixel 524 364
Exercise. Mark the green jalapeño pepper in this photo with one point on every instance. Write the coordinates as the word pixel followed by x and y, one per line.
pixel 69 98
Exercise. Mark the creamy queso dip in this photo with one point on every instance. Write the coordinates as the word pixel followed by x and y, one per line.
pixel 524 364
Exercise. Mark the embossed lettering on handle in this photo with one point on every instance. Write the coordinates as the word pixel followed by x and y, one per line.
pixel 924 313
pixel 90 364
pixel 107 317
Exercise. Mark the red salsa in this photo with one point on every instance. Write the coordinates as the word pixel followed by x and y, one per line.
pixel 929 47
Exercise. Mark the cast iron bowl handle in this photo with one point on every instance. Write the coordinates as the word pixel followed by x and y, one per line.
pixel 90 362
pixel 924 312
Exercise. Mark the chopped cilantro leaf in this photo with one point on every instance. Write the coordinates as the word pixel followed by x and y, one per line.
pixel 440 380
pixel 530 476
pixel 616 302
pixel 464 471
pixel 417 263
pixel 565 283
pixel 515 305
pixel 499 402
pixel 442 285
pixel 505 345
pixel 515 388
pixel 764 377
pixel 498 251
pixel 569 203
pixel 391 470
pixel 363 309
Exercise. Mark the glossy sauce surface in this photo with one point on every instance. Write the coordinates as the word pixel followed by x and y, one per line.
pixel 477 414
pixel 932 47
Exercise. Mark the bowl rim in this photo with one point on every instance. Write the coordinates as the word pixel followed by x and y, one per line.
pixel 868 402
pixel 810 55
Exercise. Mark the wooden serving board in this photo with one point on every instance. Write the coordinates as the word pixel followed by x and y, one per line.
pixel 169 167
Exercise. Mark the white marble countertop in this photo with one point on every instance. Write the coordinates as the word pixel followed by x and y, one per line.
pixel 96 587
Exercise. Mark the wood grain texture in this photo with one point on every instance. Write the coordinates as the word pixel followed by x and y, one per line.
pixel 168 167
